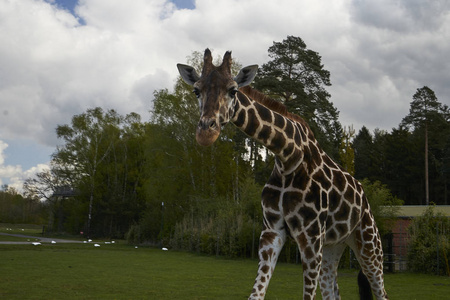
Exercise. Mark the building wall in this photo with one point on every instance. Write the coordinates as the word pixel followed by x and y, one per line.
pixel 400 237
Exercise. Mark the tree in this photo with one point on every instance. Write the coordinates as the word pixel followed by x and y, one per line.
pixel 87 143
pixel 103 158
pixel 296 77
pixel 346 152
pixel 429 246
pixel 45 186
pixel 383 204
pixel 426 111
pixel 15 208
pixel 363 148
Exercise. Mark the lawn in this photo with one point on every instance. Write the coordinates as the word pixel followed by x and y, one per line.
pixel 120 271
pixel 26 229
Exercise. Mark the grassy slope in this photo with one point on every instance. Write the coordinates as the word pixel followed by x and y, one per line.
pixel 118 271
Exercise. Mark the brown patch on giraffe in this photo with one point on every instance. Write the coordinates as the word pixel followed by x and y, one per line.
pixel 327 171
pixel 301 179
pixel 293 222
pixel 307 214
pixel 342 228
pixel 343 212
pixel 312 196
pixel 271 218
pixel 253 122
pixel 264 133
pixel 339 180
pixel 308 252
pixel 243 99
pixel 309 291
pixel 265 114
pixel 240 120
pixel 324 199
pixel 267 238
pixel 333 200
pixel 279 121
pixel 290 201
pixel 264 255
pixel 298 137
pixel 293 159
pixel 270 198
pixel 265 269
pixel 317 244
pixel 366 220
pixel 289 130
pixel 301 240
pixel 307 280
pixel 278 140
pixel 319 176
pixel 331 235
pixel 288 149
pixel 315 154
pixel 313 229
pixel 358 200
pixel 354 218
pixel 350 195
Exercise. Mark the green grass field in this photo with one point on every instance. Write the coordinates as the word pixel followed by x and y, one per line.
pixel 120 271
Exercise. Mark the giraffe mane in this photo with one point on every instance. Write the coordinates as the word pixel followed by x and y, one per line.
pixel 271 104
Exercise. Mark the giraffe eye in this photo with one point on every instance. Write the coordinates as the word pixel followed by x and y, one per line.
pixel 233 92
pixel 196 91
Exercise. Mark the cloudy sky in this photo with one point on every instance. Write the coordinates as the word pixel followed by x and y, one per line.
pixel 61 57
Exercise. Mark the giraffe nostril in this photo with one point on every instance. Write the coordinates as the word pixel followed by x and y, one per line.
pixel 207 124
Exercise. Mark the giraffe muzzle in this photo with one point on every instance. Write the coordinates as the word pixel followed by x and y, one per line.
pixel 208 131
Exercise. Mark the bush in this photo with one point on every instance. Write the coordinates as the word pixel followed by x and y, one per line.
pixel 383 204
pixel 429 244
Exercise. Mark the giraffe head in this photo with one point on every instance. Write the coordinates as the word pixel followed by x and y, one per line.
pixel 216 91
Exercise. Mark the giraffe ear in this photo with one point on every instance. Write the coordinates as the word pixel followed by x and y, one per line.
pixel 188 74
pixel 246 75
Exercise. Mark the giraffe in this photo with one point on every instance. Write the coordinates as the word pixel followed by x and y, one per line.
pixel 307 197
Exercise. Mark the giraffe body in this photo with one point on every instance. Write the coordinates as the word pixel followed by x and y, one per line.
pixel 308 196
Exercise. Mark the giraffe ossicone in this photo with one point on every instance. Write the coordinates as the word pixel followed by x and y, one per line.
pixel 308 196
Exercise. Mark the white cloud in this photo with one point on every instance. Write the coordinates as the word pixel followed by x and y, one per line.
pixel 14 176
pixel 115 53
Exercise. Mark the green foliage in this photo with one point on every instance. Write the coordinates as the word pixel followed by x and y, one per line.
pixel 396 159
pixel 346 152
pixel 295 75
pixel 101 162
pixel 424 107
pixel 15 208
pixel 430 242
pixel 383 204
pixel 220 225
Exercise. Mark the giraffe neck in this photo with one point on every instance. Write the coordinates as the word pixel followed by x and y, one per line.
pixel 289 140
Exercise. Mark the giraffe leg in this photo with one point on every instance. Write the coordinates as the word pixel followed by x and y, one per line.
pixel 366 244
pixel 328 271
pixel 270 244
pixel 311 254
